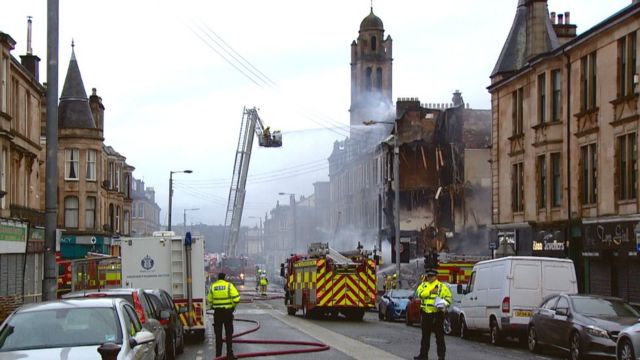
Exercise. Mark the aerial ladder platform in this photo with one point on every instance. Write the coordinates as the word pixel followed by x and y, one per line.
pixel 250 127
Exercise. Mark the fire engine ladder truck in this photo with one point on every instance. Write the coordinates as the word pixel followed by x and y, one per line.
pixel 251 125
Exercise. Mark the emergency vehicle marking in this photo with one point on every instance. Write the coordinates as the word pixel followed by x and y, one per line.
pixel 195 314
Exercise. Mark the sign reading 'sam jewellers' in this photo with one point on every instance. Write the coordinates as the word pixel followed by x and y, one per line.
pixel 549 242
pixel 13 236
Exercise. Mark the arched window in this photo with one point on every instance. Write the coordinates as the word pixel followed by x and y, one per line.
pixel 374 43
pixel 379 78
pixel 71 212
pixel 369 81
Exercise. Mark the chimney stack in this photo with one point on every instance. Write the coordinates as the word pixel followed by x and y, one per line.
pixel 30 61
pixel 565 30
pixel 553 17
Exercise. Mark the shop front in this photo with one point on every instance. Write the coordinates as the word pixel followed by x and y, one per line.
pixel 77 246
pixel 610 257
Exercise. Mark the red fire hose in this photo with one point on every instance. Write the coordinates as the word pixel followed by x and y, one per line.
pixel 310 346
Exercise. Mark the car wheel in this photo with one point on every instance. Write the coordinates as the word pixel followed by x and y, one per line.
pixel 464 330
pixel 171 347
pixel 575 347
pixel 532 340
pixel 625 350
pixel 446 326
pixel 494 332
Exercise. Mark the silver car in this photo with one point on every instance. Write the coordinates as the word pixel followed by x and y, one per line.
pixel 628 345
pixel 75 329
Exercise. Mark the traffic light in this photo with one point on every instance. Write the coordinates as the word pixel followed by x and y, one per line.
pixel 431 260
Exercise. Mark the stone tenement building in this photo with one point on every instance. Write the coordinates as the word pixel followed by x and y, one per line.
pixel 145 213
pixel 565 125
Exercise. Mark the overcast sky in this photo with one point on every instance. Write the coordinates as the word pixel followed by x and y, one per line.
pixel 173 102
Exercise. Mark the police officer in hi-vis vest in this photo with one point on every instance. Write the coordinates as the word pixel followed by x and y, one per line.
pixel 223 298
pixel 435 298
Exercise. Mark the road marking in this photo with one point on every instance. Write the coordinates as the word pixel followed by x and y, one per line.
pixel 345 344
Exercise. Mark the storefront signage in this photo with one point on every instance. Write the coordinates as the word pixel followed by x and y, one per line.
pixel 549 243
pixel 610 236
pixel 36 240
pixel 13 236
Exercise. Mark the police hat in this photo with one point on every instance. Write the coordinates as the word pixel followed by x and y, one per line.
pixel 221 276
pixel 431 272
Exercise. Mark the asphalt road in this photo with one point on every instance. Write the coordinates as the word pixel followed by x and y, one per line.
pixel 369 339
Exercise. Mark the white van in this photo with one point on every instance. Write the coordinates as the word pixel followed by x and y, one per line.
pixel 502 293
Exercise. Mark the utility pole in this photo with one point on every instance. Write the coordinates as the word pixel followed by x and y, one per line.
pixel 50 281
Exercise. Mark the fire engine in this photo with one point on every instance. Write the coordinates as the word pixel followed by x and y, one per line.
pixel 95 271
pixel 328 282
pixel 456 269
pixel 234 268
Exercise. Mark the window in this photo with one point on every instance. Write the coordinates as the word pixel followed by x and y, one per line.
pixel 117 219
pixel 71 158
pixel 368 79
pixel 589 174
pixel 563 303
pixel 517 187
pixel 91 164
pixel 379 78
pixel 516 114
pixel 374 43
pixel 71 212
pixel 550 303
pixel 556 185
pixel 90 213
pixel 588 84
pixel 556 100
pixel 118 178
pixel 3 175
pixel 542 181
pixel 626 65
pixel 627 168
pixel 4 68
pixel 542 98
pixel 127 219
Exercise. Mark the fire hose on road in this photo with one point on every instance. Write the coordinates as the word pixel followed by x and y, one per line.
pixel 309 346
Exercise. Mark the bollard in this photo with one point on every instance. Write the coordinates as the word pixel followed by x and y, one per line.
pixel 109 351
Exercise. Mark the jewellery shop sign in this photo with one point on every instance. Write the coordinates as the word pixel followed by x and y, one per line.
pixel 549 243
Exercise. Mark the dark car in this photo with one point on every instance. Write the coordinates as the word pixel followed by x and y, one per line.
pixel 141 304
pixel 581 324
pixel 174 331
pixel 451 321
pixel 393 304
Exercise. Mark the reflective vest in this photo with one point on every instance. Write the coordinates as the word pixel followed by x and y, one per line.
pixel 264 282
pixel 428 300
pixel 223 295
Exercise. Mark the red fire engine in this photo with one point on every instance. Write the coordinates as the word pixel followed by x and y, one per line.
pixel 328 282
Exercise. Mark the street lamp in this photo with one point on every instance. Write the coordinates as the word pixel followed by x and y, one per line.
pixel 171 191
pixel 185 217
pixel 292 200
pixel 396 180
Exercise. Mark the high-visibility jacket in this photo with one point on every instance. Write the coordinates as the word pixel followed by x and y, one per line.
pixel 223 295
pixel 428 299
pixel 264 282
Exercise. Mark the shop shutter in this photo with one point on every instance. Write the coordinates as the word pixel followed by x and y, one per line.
pixel 600 277
pixel 634 284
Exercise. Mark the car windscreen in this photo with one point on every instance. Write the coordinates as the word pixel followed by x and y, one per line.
pixel 69 327
pixel 603 307
pixel 401 294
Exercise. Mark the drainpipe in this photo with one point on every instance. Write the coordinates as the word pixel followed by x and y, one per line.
pixel 568 161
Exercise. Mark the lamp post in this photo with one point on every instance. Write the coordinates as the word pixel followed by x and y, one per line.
pixel 171 191
pixel 292 200
pixel 396 180
pixel 185 217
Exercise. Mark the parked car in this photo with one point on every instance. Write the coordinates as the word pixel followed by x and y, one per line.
pixel 393 304
pixel 502 293
pixel 74 329
pixel 450 323
pixel 581 324
pixel 142 305
pixel 628 345
pixel 173 329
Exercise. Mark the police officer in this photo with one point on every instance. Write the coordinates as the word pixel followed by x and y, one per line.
pixel 223 298
pixel 432 313
pixel 264 282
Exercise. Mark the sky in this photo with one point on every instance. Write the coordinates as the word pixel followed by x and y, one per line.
pixel 175 76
